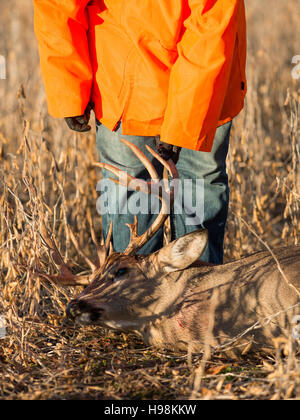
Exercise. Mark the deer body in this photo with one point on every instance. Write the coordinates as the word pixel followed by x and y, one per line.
pixel 246 300
pixel 223 302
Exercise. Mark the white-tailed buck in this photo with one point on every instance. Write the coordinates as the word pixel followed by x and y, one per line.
pixel 172 300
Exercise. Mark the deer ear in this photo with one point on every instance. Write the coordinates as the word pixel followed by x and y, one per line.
pixel 183 252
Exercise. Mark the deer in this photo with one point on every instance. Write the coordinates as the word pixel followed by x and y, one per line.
pixel 170 298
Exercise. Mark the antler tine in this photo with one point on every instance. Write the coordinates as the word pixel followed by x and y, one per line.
pixel 125 179
pixel 169 165
pixel 140 155
pixel 102 250
pixel 99 247
pixel 78 248
pixel 138 241
pixel 108 243
pixel 66 277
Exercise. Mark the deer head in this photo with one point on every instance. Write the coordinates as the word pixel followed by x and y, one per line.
pixel 132 290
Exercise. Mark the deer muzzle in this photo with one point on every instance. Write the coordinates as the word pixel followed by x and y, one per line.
pixel 83 311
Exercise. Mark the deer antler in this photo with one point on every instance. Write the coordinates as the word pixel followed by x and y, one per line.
pixel 138 241
pixel 102 250
pixel 66 277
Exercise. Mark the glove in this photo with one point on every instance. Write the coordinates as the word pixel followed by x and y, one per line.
pixel 167 151
pixel 80 123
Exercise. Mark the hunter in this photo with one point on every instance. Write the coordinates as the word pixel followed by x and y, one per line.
pixel 165 73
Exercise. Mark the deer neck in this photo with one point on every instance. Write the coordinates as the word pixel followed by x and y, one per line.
pixel 169 289
pixel 163 326
pixel 165 299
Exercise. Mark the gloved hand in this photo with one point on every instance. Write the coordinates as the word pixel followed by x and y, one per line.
pixel 80 123
pixel 167 151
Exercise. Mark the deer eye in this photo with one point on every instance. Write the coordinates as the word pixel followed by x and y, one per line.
pixel 121 272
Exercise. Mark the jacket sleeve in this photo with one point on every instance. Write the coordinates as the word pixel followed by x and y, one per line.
pixel 61 29
pixel 199 77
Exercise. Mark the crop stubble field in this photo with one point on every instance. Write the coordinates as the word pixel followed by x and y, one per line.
pixel 46 176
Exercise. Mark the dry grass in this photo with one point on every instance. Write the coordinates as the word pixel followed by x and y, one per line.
pixel 46 176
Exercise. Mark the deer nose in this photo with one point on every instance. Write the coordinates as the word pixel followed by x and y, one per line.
pixel 77 307
pixel 72 309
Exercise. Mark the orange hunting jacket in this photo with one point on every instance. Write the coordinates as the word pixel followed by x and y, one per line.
pixel 169 67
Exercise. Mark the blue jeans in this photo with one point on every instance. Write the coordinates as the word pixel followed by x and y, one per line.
pixel 207 187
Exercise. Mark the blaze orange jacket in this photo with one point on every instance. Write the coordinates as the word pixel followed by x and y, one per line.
pixel 169 67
